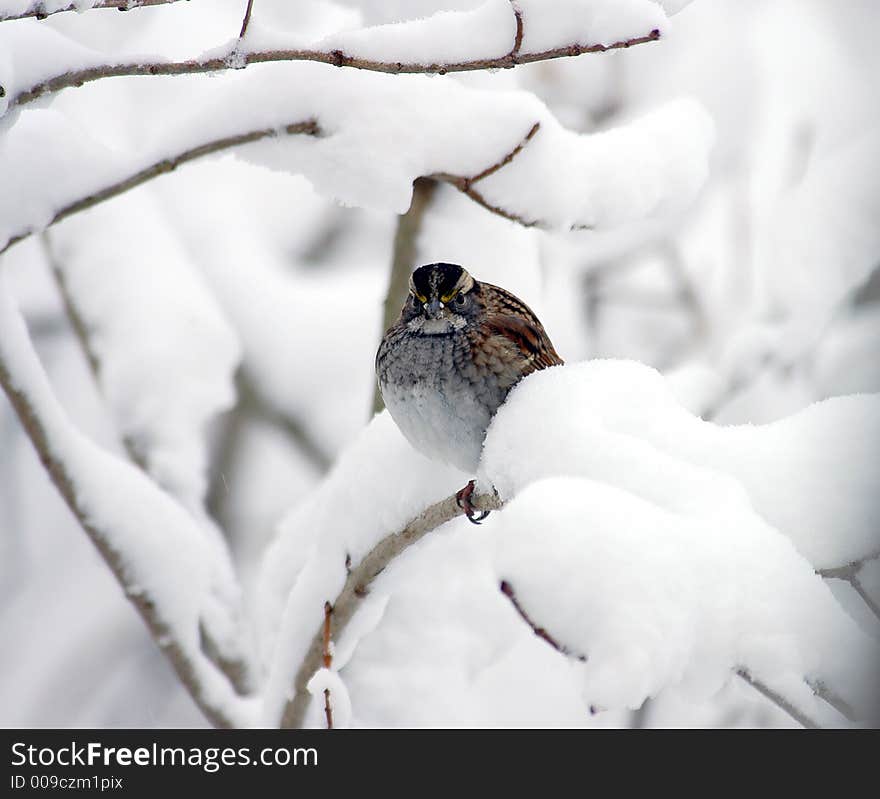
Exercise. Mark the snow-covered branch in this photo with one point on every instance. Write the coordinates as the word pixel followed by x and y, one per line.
pixel 784 704
pixel 163 167
pixel 357 586
pixel 466 185
pixel 40 9
pixel 541 632
pixel 430 46
pixel 544 175
pixel 159 557
pixel 850 573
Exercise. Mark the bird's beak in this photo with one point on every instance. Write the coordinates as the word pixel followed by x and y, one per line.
pixel 433 308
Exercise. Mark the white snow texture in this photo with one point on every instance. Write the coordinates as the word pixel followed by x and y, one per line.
pixel 690 504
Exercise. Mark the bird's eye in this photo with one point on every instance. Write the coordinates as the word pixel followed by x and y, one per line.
pixel 459 300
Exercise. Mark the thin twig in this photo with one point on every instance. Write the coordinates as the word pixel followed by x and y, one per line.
pixel 518 36
pixel 237 60
pixel 468 182
pixel 465 184
pixel 328 662
pixel 308 128
pixel 66 485
pixel 247 19
pixel 541 632
pixel 39 11
pixel 357 586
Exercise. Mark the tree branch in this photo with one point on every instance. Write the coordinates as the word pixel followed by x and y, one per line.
pixel 403 260
pixel 38 9
pixel 466 185
pixel 541 632
pixel 308 128
pixel 180 660
pixel 235 59
pixel 357 586
pixel 247 19
pixel 328 662
pixel 818 688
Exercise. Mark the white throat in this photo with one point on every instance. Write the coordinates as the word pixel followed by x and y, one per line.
pixel 435 327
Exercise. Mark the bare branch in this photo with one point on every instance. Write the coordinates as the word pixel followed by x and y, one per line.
pixel 308 128
pixel 65 483
pixel 38 8
pixel 541 632
pixel 247 19
pixel 357 586
pixel 328 662
pixel 403 259
pixel 234 59
pixel 466 184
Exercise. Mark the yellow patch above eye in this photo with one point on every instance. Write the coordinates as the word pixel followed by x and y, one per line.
pixel 420 297
pixel 448 297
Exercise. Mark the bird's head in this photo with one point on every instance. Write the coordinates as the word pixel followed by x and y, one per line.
pixel 440 295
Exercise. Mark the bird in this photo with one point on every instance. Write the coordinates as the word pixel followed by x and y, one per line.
pixel 448 363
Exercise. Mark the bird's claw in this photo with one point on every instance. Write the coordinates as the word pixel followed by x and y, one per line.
pixel 463 500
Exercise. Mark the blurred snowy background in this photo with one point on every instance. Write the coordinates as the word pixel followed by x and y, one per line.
pixel 233 312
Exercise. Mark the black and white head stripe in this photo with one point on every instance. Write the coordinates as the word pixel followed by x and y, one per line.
pixel 439 281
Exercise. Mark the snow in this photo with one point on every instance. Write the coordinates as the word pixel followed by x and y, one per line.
pixel 811 475
pixel 427 127
pixel 586 22
pixel 381 483
pixel 340 702
pixel 670 550
pixel 161 550
pixel 655 596
pixel 24 65
pixel 166 353
pixel 452 36
pixel 698 546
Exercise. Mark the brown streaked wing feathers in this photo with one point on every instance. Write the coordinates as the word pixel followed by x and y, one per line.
pixel 509 317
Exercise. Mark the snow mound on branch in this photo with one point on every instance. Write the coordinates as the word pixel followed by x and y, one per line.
pixel 654 597
pixel 163 554
pixel 380 134
pixel 813 475
pixel 377 485
pixel 488 31
pixel 166 353
pixel 669 551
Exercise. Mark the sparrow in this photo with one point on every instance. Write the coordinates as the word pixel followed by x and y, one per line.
pixel 450 360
